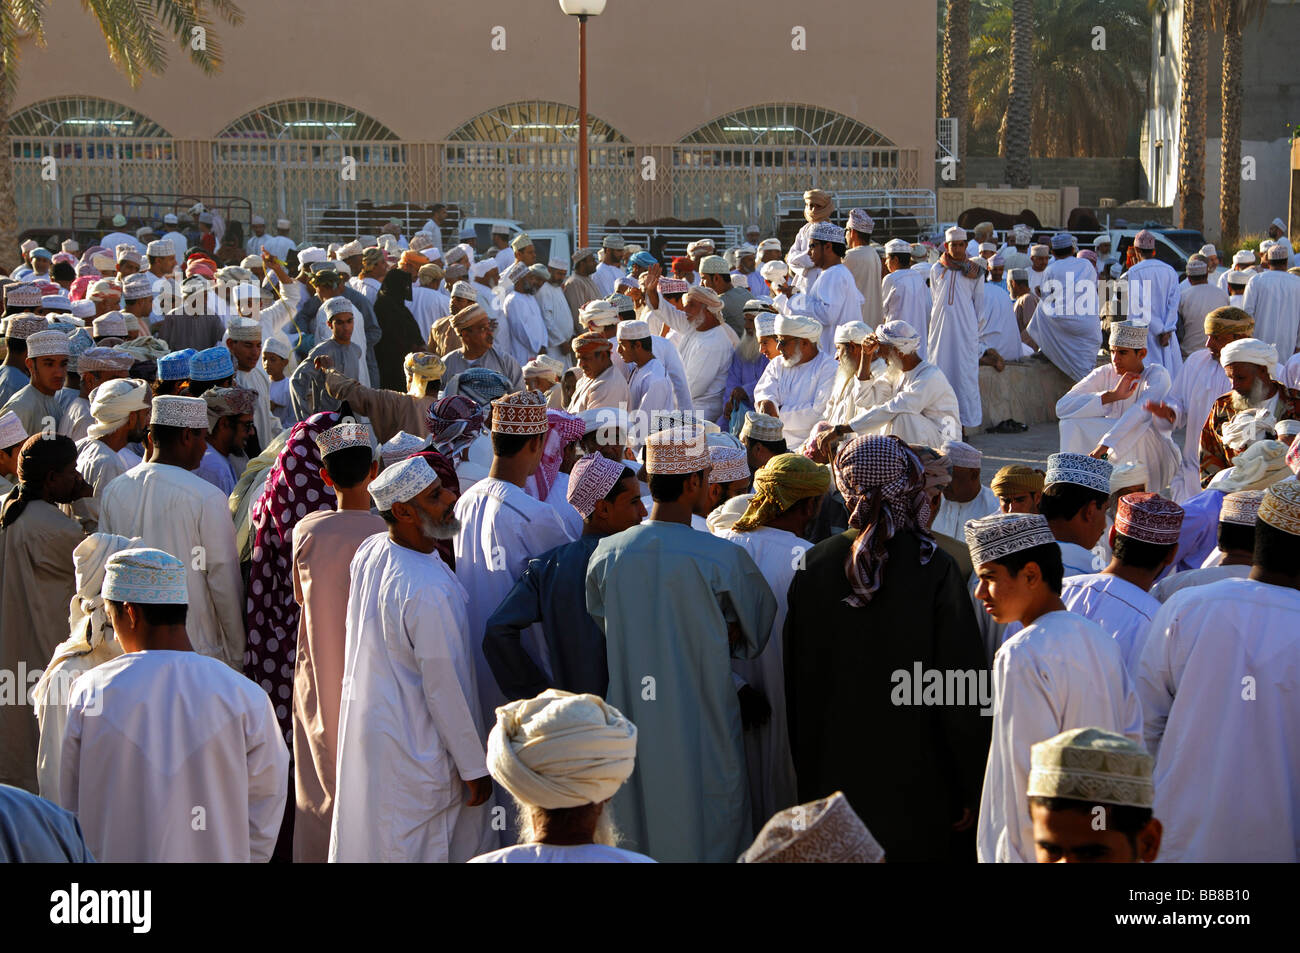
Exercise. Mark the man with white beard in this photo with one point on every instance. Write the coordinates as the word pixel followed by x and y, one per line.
pixel 1198 385
pixel 957 287
pixel 797 387
pixel 834 298
pixel 705 343
pixel 847 388
pixel 906 295
pixel 911 400
pixel 1250 363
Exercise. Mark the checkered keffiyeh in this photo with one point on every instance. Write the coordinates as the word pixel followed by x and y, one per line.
pixel 562 429
pixel 883 485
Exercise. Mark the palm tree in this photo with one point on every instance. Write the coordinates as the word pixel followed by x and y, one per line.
pixel 136 33
pixel 1017 122
pixel 1230 16
pixel 1083 102
pixel 955 93
pixel 1193 48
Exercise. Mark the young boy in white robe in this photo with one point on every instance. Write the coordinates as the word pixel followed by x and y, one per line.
pixel 1059 672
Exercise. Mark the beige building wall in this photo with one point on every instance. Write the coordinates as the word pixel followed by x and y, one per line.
pixel 655 71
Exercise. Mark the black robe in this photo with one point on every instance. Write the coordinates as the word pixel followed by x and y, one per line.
pixel 907 769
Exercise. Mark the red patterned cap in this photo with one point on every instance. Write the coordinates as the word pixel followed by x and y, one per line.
pixel 1149 518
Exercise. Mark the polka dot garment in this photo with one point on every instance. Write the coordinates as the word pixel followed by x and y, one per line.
pixel 293 489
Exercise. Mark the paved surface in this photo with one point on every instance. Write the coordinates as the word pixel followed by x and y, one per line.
pixel 1030 448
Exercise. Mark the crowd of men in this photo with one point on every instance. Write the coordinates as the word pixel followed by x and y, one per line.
pixel 407 550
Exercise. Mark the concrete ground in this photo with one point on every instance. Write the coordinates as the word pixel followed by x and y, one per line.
pixel 1030 448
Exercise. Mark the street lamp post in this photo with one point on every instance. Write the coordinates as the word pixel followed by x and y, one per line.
pixel 582 9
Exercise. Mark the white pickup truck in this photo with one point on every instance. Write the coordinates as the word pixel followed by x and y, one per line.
pixel 549 242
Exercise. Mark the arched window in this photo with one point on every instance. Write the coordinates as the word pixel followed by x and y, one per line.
pixel 786 124
pixel 306 119
pixel 80 116
pixel 534 121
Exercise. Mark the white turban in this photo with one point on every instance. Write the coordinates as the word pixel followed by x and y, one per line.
pixel 852 332
pixel 561 750
pixel 772 270
pixel 899 335
pixel 798 326
pixel 1249 351
pixel 707 295
pixel 1247 427
pixel 112 402
pixel 1256 468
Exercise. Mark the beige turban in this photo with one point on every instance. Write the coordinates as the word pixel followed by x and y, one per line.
pixel 113 402
pixel 818 205
pixel 561 750
pixel 1257 467
pixel 467 316
pixel 87 619
pixel 708 296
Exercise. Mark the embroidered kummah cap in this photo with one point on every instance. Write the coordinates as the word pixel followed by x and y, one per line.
pixel 1016 479
pixel 1128 334
pixel 821 232
pixel 826 831
pixel 23 326
pixel 83 309
pixel 717 265
pixel 1145 240
pixel 622 303
pixel 860 221
pixel 1149 518
pixel 592 478
pixel 401 482
pixel 1062 240
pixel 336 306
pixel 1129 474
pixel 769 244
pixel 400 446
pixel 465 292
pixel 12 431
pixel 561 750
pixel 1280 507
pixel 583 253
pixel 1278 252
pixel 997 536
pixel 676 450
pixel 145 576
pixel 59 302
pixel 729 464
pixel 954 234
pixel 679 286
pixel 613 241
pixel 1079 469
pixel 1249 351
pixel 521 241
pixel 962 455
pixel 514 272
pixel 213 364
pixel 170 410
pixel 541 271
pixel 1197 268
pixel 176 365
pixel 852 332
pixel 104 359
pixel 896 246
pixel 1091 765
pixel 110 325
pixel 555 263
pixel 137 286
pixel 522 413
pixel 48 344
pixel 797 326
pixel 243 329
pixel 343 437
pixel 1239 279
pixel 1241 508
pixel 763 427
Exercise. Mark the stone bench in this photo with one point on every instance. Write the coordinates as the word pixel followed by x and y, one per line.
pixel 1026 390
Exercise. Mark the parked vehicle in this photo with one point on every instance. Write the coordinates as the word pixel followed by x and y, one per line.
pixel 548 242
